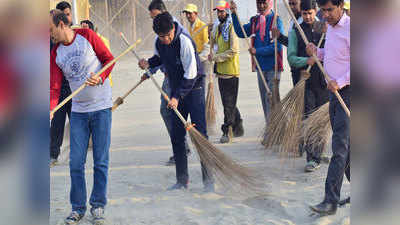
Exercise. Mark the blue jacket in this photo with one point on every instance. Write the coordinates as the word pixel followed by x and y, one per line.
pixel 265 50
pixel 181 62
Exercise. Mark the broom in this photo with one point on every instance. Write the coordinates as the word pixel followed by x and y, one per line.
pixel 317 130
pixel 340 99
pixel 230 174
pixel 285 121
pixel 120 100
pixel 275 91
pixel 98 73
pixel 211 110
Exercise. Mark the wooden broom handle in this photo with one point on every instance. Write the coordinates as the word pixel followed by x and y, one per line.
pixel 211 43
pixel 115 106
pixel 255 60
pixel 319 45
pixel 315 57
pixel 276 39
pixel 155 83
pixel 98 73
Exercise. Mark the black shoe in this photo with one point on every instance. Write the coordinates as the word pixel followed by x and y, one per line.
pixel 98 215
pixel 238 130
pixel 171 161
pixel 177 186
pixel 209 188
pixel 227 135
pixel 73 218
pixel 344 202
pixel 325 208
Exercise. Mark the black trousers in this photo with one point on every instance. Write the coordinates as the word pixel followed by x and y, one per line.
pixel 58 124
pixel 229 89
pixel 340 161
pixel 314 98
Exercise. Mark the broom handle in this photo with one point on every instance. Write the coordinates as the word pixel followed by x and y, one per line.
pixel 276 39
pixel 255 60
pixel 211 43
pixel 155 82
pixel 98 73
pixel 115 106
pixel 319 45
pixel 315 57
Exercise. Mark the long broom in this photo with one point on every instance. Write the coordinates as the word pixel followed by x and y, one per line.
pixel 211 110
pixel 285 121
pixel 97 74
pixel 327 78
pixel 275 91
pixel 230 174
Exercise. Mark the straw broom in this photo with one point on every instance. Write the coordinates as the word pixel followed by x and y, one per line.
pixel 340 99
pixel 211 110
pixel 97 74
pixel 230 174
pixel 285 121
pixel 275 91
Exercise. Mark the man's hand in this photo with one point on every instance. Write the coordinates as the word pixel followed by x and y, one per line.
pixel 252 51
pixel 51 116
pixel 233 7
pixel 94 80
pixel 210 57
pixel 173 103
pixel 275 32
pixel 311 61
pixel 143 64
pixel 311 49
pixel 333 86
pixel 144 77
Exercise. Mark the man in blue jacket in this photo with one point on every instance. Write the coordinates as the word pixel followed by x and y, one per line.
pixel 263 45
pixel 176 51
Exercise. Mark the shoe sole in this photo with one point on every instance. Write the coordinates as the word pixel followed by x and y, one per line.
pixel 99 222
pixel 322 213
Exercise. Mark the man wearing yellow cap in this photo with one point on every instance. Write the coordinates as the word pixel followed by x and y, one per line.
pixel 227 61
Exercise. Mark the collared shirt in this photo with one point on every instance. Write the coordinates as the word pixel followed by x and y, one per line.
pixel 336 54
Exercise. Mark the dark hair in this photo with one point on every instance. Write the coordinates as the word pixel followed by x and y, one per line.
pixel 59 16
pixel 63 5
pixel 157 4
pixel 308 4
pixel 88 22
pixel 163 23
pixel 334 2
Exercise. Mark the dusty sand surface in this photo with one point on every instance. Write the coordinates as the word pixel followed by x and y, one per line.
pixel 138 177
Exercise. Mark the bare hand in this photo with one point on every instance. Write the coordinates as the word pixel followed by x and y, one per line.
pixel 233 6
pixel 275 32
pixel 311 49
pixel 143 64
pixel 252 51
pixel 173 103
pixel 333 86
pixel 51 116
pixel 94 80
pixel 311 61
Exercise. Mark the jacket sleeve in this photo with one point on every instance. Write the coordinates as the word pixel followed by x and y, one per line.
pixel 293 59
pixel 238 29
pixel 189 63
pixel 270 48
pixel 283 40
pixel 232 51
pixel 56 78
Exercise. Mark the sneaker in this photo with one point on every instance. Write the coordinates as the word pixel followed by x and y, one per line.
pixel 311 166
pixel 73 218
pixel 227 136
pixel 325 159
pixel 171 161
pixel 98 216
pixel 53 162
pixel 177 186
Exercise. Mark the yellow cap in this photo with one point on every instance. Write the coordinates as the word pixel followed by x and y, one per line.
pixel 346 5
pixel 190 8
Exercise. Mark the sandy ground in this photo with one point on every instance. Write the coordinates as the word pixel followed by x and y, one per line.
pixel 138 177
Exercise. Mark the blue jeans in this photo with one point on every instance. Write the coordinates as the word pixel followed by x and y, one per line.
pixel 167 113
pixel 340 161
pixel 97 124
pixel 269 77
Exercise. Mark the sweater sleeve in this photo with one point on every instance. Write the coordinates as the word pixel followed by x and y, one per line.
pixel 238 29
pixel 293 59
pixel 56 77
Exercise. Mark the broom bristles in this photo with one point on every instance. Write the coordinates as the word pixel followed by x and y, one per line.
pixel 229 174
pixel 284 123
pixel 317 130
pixel 211 111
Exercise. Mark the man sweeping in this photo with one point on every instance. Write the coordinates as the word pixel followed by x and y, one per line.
pixel 316 93
pixel 177 52
pixel 336 57
pixel 77 56
pixel 227 60
pixel 263 46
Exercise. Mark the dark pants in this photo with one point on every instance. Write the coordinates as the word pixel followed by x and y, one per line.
pixel 313 99
pixel 193 104
pixel 295 77
pixel 58 124
pixel 229 89
pixel 340 161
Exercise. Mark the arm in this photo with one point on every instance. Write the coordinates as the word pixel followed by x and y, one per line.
pixel 283 40
pixel 232 51
pixel 56 77
pixel 270 48
pixel 189 63
pixel 238 29
pixel 293 59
